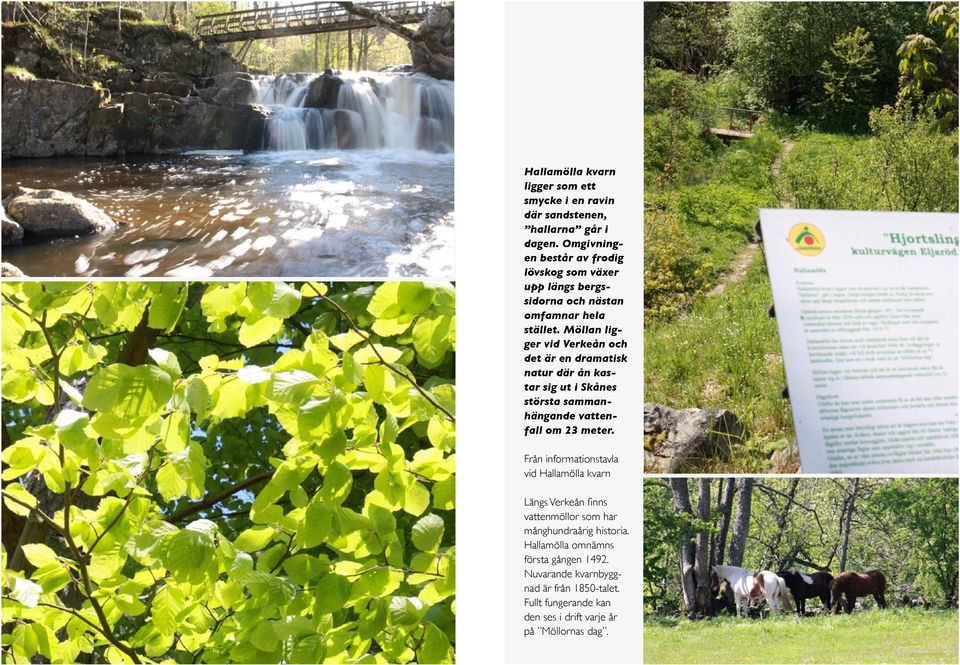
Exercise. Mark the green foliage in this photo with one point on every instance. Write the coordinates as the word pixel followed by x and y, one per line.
pixel 926 522
pixel 848 77
pixel 906 165
pixel 685 36
pixel 272 481
pixel 779 47
pixel 692 233
pixel 737 366
pixel 891 636
pixel 930 70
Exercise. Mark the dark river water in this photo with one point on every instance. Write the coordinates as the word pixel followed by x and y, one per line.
pixel 314 213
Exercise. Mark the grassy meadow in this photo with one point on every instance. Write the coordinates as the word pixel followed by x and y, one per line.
pixel 871 636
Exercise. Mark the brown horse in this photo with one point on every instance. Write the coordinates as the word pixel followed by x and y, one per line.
pixel 855 585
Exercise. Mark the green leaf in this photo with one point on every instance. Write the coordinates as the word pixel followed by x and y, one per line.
pixel 254 538
pixel 435 646
pixel 431 338
pixel 131 393
pixel 39 555
pixel 337 482
pixel 406 611
pixel 416 498
pixel 274 299
pixel 331 593
pixel 427 533
pixel 80 357
pixel 316 525
pixel 167 305
pixel 168 604
pixel 167 362
pixel 444 494
pixel 309 649
pixel 18 385
pixel 293 387
pixel 257 329
pixel 170 484
pixel 52 577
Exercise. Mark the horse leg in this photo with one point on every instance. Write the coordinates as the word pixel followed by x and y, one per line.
pixel 801 602
pixel 881 601
pixel 825 599
pixel 851 601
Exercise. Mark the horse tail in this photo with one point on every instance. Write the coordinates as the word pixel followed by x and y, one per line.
pixel 784 596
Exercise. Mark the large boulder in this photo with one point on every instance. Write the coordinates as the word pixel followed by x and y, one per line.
pixel 44 118
pixel 103 126
pixel 433 49
pixel 10 270
pixel 256 127
pixel 12 232
pixel 169 85
pixel 136 124
pixel 677 440
pixel 324 91
pixel 194 124
pixel 52 213
pixel 240 90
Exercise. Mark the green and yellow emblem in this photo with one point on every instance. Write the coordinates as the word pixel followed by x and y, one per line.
pixel 806 238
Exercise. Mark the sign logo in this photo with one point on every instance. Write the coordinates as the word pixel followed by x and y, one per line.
pixel 806 238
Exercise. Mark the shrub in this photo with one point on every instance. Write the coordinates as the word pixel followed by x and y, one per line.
pixel 906 165
pixel 915 163
pixel 848 76
pixel 674 150
pixel 671 272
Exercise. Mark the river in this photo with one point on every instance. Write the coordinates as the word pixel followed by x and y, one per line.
pixel 370 194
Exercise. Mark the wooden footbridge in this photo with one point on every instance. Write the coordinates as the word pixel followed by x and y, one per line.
pixel 731 134
pixel 302 19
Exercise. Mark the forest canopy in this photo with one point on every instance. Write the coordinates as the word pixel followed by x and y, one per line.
pixel 246 472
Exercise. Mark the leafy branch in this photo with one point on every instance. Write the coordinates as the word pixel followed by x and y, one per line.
pixel 383 361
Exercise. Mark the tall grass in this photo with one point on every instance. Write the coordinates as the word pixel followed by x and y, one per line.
pixel 725 352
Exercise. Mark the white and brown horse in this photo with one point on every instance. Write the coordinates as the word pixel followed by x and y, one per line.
pixel 748 586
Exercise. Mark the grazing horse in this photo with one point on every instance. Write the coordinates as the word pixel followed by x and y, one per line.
pixel 855 585
pixel 803 586
pixel 748 586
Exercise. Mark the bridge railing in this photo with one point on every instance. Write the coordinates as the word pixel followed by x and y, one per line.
pixel 751 115
pixel 299 15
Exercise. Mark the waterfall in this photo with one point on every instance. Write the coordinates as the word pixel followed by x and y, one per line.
pixel 356 110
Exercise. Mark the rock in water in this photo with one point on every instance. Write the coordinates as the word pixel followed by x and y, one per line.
pixel 324 91
pixel 52 213
pixel 10 270
pixel 12 232
pixel 676 439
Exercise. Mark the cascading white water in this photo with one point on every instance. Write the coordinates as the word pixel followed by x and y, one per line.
pixel 374 111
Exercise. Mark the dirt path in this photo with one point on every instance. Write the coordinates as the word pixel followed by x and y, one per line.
pixel 742 261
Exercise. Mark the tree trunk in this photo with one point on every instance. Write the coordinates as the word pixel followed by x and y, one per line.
pixel 326 54
pixel 845 527
pixel 724 506
pixel 741 523
pixel 316 52
pixel 681 504
pixel 350 50
pixel 703 545
pixel 781 525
